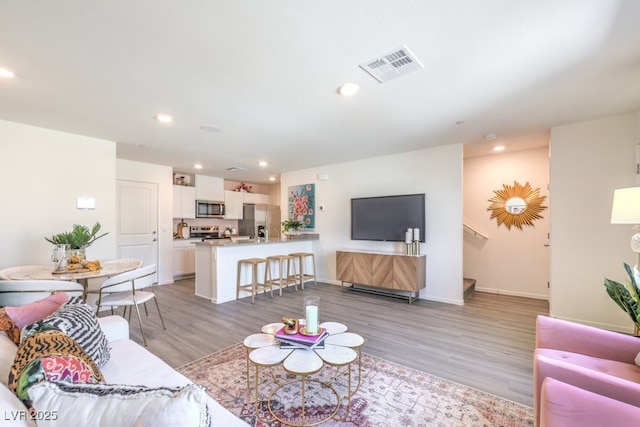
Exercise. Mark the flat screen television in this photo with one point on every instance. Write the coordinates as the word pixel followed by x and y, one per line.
pixel 387 218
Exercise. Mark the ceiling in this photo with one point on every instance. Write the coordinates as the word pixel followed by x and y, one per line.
pixel 266 73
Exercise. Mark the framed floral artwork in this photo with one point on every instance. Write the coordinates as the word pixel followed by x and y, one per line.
pixel 302 204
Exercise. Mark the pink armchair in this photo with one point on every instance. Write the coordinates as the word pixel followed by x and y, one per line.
pixel 591 359
pixel 569 406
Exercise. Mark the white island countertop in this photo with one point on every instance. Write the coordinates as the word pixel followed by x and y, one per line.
pixel 245 242
pixel 217 262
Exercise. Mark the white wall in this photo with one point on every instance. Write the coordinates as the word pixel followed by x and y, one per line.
pixel 589 160
pixel 511 261
pixel 437 172
pixel 163 176
pixel 42 172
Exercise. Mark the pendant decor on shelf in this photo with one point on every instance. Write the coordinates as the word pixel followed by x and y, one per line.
pixel 516 205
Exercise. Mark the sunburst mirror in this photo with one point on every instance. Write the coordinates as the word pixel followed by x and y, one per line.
pixel 516 205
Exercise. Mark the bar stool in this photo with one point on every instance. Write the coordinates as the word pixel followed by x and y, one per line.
pixel 255 286
pixel 302 257
pixel 285 278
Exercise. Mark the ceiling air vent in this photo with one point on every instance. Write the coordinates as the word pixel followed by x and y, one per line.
pixel 235 169
pixel 393 64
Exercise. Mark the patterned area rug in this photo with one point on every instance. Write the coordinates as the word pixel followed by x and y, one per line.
pixel 389 395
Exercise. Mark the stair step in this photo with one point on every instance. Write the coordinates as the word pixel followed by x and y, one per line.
pixel 469 286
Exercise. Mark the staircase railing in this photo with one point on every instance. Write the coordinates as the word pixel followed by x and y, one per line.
pixel 475 232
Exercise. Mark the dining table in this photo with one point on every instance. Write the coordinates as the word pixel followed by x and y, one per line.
pixel 43 272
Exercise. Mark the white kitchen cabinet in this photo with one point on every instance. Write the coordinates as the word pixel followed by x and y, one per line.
pixel 184 259
pixel 256 198
pixel 233 201
pixel 209 188
pixel 184 201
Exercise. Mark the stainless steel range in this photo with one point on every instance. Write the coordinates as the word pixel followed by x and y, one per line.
pixel 205 232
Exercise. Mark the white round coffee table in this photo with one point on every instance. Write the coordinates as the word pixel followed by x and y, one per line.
pixel 341 349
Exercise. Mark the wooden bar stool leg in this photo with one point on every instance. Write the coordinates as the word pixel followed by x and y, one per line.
pixel 238 280
pixel 301 261
pixel 290 265
pixel 254 282
pixel 280 276
pixel 267 272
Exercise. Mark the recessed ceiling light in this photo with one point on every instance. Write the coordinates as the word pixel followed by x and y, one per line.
pixel 7 74
pixel 210 128
pixel 272 178
pixel 197 166
pixel 262 163
pixel 498 148
pixel 348 89
pixel 164 118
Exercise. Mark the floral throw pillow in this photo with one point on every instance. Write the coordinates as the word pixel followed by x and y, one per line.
pixel 50 356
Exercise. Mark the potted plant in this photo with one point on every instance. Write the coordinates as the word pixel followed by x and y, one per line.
pixel 291 224
pixel 78 239
pixel 627 297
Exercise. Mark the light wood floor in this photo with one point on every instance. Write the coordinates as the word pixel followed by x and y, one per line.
pixel 486 344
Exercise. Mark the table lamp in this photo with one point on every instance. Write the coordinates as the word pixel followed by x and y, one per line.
pixel 626 210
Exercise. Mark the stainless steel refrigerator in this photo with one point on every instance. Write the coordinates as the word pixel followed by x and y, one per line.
pixel 260 220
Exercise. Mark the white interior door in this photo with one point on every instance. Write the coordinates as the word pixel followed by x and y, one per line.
pixel 137 224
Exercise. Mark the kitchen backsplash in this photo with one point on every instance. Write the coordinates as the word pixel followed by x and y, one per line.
pixel 221 223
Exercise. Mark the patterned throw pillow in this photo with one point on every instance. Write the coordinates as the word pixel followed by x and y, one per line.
pixel 77 319
pixel 8 326
pixel 50 355
pixel 106 405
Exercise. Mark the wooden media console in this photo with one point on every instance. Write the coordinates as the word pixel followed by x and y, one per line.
pixel 387 273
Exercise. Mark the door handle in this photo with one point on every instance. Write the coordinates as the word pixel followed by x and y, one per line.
pixel 154 239
pixel 546 245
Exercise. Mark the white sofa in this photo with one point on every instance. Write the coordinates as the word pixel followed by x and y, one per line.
pixel 130 364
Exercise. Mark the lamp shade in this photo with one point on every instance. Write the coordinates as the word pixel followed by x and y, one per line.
pixel 626 206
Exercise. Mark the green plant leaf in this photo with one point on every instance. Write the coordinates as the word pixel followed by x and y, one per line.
pixel 78 238
pixel 621 296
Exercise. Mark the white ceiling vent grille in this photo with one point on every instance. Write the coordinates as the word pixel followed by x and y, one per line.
pixel 236 169
pixel 393 64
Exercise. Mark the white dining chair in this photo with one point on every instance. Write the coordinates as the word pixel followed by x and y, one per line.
pixel 6 273
pixel 130 289
pixel 20 292
pixel 124 263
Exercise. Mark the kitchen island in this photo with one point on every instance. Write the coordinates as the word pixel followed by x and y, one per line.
pixel 217 262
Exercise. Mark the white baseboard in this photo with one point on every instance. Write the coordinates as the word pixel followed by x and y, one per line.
pixel 511 293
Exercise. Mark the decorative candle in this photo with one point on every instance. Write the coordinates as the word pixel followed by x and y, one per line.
pixel 312 319
pixel 416 234
pixel 311 307
pixel 407 236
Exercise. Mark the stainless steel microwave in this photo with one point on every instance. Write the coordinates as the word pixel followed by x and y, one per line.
pixel 209 209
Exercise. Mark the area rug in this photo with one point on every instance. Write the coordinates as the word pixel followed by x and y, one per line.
pixel 390 395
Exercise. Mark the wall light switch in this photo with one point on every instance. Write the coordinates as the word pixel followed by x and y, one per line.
pixel 85 203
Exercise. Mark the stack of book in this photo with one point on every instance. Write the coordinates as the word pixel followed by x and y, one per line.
pixel 299 340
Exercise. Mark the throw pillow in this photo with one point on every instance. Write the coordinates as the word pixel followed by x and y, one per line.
pixel 50 355
pixel 8 326
pixel 106 405
pixel 8 351
pixel 30 313
pixel 77 319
